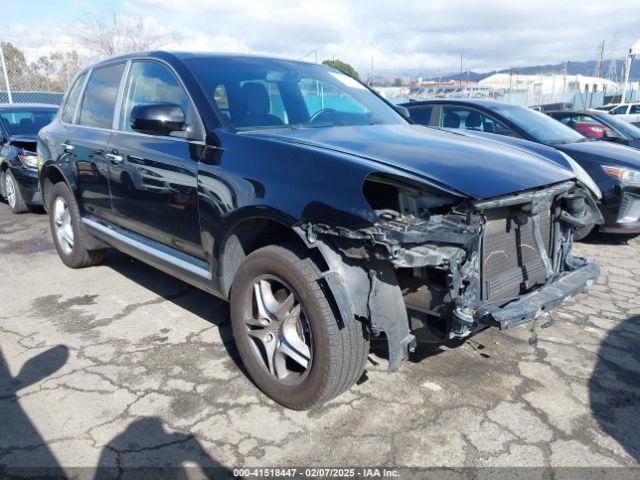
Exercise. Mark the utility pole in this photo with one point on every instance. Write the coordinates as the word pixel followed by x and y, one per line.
pixel 633 52
pixel 460 81
pixel 6 74
pixel 600 58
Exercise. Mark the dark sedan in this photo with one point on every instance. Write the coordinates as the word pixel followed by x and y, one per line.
pixel 19 125
pixel 614 168
pixel 599 126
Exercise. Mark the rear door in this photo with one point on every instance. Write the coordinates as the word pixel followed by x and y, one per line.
pixel 87 139
pixel 154 177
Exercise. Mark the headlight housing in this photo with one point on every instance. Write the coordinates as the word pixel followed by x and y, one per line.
pixel 626 176
pixel 583 176
pixel 28 159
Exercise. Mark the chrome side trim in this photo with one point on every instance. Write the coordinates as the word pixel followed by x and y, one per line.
pixel 185 263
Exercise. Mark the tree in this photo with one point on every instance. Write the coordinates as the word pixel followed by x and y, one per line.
pixel 49 73
pixel 397 82
pixel 56 70
pixel 107 32
pixel 343 67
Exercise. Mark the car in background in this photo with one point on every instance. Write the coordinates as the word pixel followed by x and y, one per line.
pixel 629 112
pixel 19 126
pixel 321 213
pixel 606 108
pixel 614 168
pixel 600 126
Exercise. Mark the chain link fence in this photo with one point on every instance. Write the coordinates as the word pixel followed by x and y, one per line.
pixel 42 81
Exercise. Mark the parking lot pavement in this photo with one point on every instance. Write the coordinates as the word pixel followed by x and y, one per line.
pixel 121 365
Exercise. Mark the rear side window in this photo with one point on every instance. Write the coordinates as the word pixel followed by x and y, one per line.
pixel 152 82
pixel 421 115
pixel 100 95
pixel 72 99
pixel 634 109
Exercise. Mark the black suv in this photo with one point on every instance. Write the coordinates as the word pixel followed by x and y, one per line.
pixel 314 206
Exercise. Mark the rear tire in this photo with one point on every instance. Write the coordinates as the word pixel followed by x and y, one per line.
pixel 336 356
pixel 14 197
pixel 68 231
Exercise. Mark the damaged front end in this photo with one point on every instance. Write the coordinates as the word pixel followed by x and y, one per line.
pixel 438 266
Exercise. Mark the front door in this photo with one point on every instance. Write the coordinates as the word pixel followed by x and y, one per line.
pixel 154 177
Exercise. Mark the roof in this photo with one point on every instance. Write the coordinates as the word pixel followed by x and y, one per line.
pixel 27 106
pixel 466 101
pixel 183 55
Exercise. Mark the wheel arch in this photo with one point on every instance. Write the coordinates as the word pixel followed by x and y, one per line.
pixel 54 174
pixel 248 231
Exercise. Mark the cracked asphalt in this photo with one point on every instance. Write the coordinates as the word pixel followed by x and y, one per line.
pixel 123 366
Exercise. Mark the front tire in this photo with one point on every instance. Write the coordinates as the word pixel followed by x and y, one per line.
pixel 286 332
pixel 14 197
pixel 66 227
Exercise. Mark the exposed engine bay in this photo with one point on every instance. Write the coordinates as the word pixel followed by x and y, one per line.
pixel 454 265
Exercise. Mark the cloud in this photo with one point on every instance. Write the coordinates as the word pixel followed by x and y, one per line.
pixel 400 35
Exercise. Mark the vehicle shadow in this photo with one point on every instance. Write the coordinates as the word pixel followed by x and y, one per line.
pixel 146 450
pixel 200 303
pixel 614 386
pixel 18 432
pixel 599 238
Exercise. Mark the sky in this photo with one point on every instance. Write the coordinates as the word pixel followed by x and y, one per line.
pixel 398 35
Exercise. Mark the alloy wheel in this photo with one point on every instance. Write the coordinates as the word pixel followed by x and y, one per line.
pixel 62 225
pixel 279 330
pixel 10 188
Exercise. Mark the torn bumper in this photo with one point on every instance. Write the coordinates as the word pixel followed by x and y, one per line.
pixel 530 306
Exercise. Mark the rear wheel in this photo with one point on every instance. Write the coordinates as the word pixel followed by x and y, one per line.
pixel 14 197
pixel 287 334
pixel 66 227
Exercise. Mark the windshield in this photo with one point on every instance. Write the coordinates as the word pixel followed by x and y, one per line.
pixel 254 93
pixel 625 127
pixel 541 127
pixel 25 122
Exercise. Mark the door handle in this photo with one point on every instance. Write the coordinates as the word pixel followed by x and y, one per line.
pixel 66 147
pixel 113 157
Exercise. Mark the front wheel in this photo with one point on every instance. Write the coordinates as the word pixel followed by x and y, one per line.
pixel 66 227
pixel 286 332
pixel 14 197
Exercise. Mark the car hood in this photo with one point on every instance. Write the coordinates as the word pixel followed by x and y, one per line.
pixel 603 152
pixel 476 167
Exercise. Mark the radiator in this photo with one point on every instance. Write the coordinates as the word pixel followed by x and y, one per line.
pixel 511 264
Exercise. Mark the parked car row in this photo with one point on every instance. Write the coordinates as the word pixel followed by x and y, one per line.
pixel 19 125
pixel 320 211
pixel 614 168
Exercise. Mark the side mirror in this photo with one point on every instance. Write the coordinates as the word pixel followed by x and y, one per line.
pixel 157 118
pixel 404 111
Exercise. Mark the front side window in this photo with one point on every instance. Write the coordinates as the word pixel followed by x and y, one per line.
pixel 539 126
pixel 634 109
pixel 586 125
pixel 269 93
pixel 152 82
pixel 100 95
pixel 471 119
pixel 20 121
pixel 72 99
